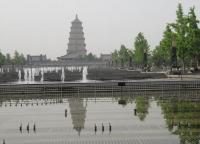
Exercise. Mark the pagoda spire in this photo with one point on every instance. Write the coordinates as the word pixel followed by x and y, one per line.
pixel 76 16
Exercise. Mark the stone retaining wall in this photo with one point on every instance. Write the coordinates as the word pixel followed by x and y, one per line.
pixel 52 76
pixel 8 76
pixel 73 75
pixel 102 87
pixel 120 74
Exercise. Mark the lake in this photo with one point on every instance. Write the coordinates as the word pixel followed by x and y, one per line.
pixel 142 118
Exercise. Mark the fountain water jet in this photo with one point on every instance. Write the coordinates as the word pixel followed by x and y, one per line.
pixel 63 74
pixel 19 75
pixel 84 79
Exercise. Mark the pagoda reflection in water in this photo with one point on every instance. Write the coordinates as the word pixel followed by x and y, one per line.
pixel 78 113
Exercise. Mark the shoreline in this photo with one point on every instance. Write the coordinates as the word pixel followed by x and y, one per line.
pixel 107 87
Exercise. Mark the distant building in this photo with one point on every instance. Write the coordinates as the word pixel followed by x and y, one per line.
pixel 36 59
pixel 76 46
pixel 106 57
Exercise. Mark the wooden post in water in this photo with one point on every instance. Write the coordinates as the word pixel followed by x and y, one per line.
pixel 65 112
pixel 121 84
pixel 135 112
pixel 110 127
pixel 102 127
pixel 95 128
pixel 34 127
pixel 27 128
pixel 20 128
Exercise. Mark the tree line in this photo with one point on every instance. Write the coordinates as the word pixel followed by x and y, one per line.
pixel 183 34
pixel 17 59
pixel 138 56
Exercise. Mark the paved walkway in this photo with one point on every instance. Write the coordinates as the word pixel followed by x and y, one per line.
pixel 185 76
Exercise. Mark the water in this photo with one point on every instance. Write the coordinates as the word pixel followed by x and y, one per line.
pixel 20 75
pixel 85 74
pixel 63 75
pixel 30 73
pixel 168 120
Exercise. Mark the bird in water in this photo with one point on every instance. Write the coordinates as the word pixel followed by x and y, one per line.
pixel 95 128
pixel 20 128
pixel 34 127
pixel 102 127
pixel 110 127
pixel 27 127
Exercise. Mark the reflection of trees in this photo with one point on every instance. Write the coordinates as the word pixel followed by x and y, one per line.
pixel 78 113
pixel 183 119
pixel 142 105
pixel 124 100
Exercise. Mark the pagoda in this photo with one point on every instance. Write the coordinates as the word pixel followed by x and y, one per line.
pixel 76 46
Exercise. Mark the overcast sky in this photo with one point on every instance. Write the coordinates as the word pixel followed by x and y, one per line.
pixel 42 26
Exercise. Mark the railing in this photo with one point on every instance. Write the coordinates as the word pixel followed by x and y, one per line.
pixel 105 87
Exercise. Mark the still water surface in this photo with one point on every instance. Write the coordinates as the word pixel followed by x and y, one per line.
pixel 72 120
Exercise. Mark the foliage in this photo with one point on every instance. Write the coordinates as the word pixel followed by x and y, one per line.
pixel 2 59
pixel 115 57
pixel 186 34
pixel 88 57
pixel 162 53
pixel 193 38
pixel 181 29
pixel 91 57
pixel 18 59
pixel 8 59
pixel 141 49
pixel 182 119
pixel 142 106
pixel 122 56
pixel 157 56
pixel 127 56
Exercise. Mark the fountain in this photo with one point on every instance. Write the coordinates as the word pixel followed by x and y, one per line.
pixel 42 72
pixel 84 79
pixel 63 74
pixel 19 75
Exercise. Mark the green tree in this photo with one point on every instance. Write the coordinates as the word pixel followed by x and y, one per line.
pixel 2 59
pixel 131 57
pixel 115 57
pixel 181 28
pixel 162 53
pixel 8 59
pixel 22 59
pixel 166 44
pixel 91 57
pixel 18 59
pixel 123 55
pixel 157 56
pixel 141 51
pixel 193 38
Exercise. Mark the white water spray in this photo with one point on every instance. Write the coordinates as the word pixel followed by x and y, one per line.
pixel 85 72
pixel 63 74
pixel 19 75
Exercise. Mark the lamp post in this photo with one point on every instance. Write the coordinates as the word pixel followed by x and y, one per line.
pixel 173 54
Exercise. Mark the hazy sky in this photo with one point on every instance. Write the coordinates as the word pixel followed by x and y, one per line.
pixel 42 26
